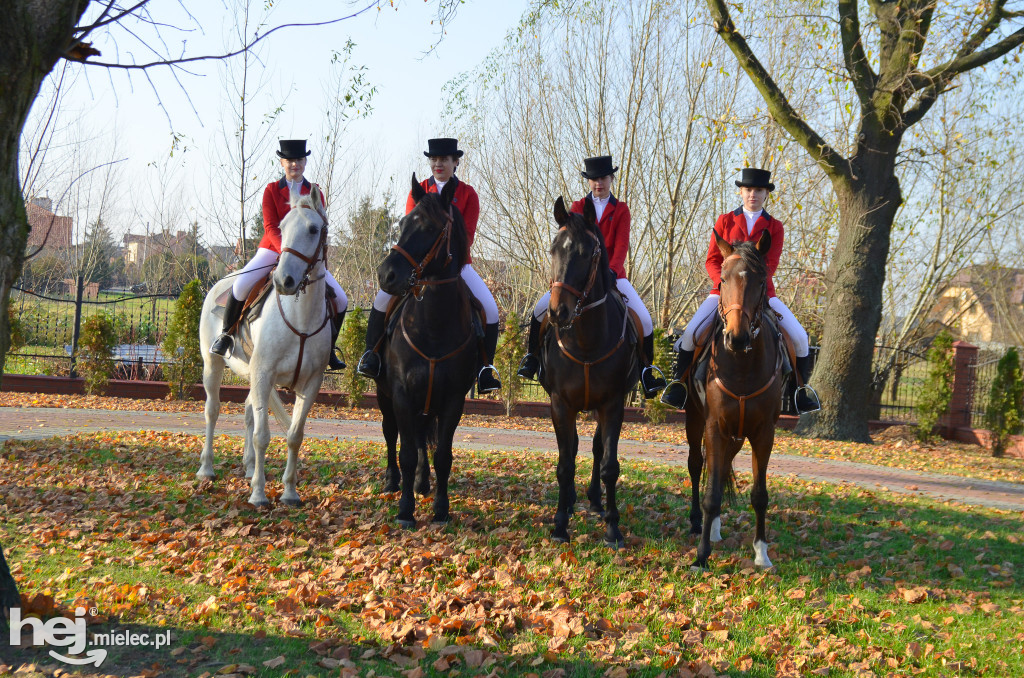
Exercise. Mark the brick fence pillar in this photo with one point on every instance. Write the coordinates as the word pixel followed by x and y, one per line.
pixel 965 356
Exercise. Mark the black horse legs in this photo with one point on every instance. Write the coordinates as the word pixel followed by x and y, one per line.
pixel 609 429
pixel 695 462
pixel 565 432
pixel 446 425
pixel 389 424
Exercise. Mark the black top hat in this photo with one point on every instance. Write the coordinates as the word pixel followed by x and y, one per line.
pixel 756 178
pixel 438 148
pixel 293 148
pixel 598 166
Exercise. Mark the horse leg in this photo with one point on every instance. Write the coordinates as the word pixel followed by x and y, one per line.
pixel 564 421
pixel 610 426
pixel 761 452
pixel 446 426
pixel 303 403
pixel 213 374
pixel 594 491
pixel 423 460
pixel 712 503
pixel 389 424
pixel 248 453
pixel 407 458
pixel 261 439
pixel 695 463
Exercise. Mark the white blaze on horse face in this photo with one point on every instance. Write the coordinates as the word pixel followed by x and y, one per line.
pixel 761 555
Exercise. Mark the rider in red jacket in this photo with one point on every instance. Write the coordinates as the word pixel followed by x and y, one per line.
pixel 277 203
pixel 443 155
pixel 745 223
pixel 614 220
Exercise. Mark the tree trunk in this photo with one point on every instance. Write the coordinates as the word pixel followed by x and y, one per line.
pixel 856 277
pixel 33 37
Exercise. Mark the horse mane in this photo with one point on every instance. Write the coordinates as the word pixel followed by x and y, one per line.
pixel 438 212
pixel 578 228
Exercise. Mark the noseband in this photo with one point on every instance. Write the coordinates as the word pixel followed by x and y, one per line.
pixel 753 318
pixel 581 297
pixel 416 281
pixel 319 254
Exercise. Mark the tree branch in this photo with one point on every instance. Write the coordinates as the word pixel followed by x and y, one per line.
pixel 778 105
pixel 853 51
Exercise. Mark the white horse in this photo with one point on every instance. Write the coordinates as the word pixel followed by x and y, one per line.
pixel 288 345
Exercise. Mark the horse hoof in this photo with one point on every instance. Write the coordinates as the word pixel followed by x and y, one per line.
pixel 294 503
pixel 407 524
pixel 205 476
pixel 698 567
pixel 260 504
pixel 560 538
pixel 391 489
pixel 615 544
pixel 597 510
pixel 441 521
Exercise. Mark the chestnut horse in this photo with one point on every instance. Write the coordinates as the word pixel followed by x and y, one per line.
pixel 744 396
pixel 589 363
pixel 431 358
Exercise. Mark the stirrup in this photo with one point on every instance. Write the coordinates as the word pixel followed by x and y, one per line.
pixel 673 389
pixel 491 372
pixel 808 393
pixel 659 381
pixel 365 368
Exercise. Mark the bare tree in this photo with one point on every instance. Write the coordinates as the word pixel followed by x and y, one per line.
pixel 898 64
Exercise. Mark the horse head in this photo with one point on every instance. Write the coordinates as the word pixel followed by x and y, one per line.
pixel 743 290
pixel 303 243
pixel 432 242
pixel 579 263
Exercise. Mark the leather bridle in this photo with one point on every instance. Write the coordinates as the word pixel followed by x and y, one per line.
pixel 319 254
pixel 416 281
pixel 753 318
pixel 581 297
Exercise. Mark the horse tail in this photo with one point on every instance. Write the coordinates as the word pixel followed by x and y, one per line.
pixel 728 487
pixel 431 430
pixel 280 413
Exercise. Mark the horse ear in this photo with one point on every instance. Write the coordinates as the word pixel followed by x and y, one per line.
pixel 589 211
pixel 448 193
pixel 319 203
pixel 417 190
pixel 723 245
pixel 561 215
pixel 764 243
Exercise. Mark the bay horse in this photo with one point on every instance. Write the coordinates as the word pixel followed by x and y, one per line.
pixel 432 355
pixel 743 387
pixel 589 363
pixel 287 345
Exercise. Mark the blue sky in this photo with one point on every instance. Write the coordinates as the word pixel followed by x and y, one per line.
pixel 391 43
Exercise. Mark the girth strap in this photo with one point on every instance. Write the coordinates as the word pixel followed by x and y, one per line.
pixel 433 361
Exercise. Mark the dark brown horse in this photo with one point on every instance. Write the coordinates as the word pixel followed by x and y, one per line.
pixel 744 396
pixel 431 357
pixel 589 362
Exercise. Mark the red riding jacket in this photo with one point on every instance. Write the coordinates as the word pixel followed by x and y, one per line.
pixel 466 201
pixel 732 226
pixel 276 203
pixel 614 225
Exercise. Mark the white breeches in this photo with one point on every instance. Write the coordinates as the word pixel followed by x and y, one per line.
pixel 706 311
pixel 633 301
pixel 263 261
pixel 476 285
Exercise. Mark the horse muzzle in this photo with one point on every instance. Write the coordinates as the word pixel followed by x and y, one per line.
pixel 395 275
pixel 737 341
pixel 286 284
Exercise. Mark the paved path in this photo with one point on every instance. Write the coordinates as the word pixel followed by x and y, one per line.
pixel 38 423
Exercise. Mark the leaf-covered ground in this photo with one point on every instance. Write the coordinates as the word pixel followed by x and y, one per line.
pixel 866 584
pixel 895 447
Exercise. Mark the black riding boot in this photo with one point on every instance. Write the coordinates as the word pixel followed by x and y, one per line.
pixel 531 363
pixel 487 380
pixel 651 378
pixel 334 362
pixel 675 393
pixel 805 398
pixel 369 364
pixel 232 312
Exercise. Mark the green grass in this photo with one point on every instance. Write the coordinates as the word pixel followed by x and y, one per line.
pixel 888 583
